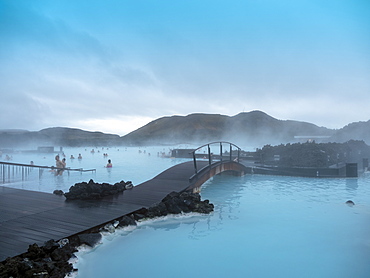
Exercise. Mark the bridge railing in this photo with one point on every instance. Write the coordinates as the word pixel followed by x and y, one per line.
pixel 227 155
pixel 9 170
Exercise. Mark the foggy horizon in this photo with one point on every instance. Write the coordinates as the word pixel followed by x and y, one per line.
pixel 121 135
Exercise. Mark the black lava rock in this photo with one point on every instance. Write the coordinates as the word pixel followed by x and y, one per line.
pixel 90 239
pixel 127 221
pixel 50 260
pixel 93 191
pixel 175 203
pixel 58 192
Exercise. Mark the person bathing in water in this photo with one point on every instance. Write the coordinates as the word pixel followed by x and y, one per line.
pixel 59 164
pixel 109 165
pixel 64 166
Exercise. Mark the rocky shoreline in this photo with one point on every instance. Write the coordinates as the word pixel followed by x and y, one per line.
pixel 52 260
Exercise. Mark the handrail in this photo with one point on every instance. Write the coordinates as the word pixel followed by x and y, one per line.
pixel 46 167
pixel 216 143
pixel 210 154
pixel 26 168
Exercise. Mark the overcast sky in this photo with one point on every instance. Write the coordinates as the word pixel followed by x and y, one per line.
pixel 115 65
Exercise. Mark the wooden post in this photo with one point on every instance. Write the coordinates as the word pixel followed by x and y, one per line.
pixel 231 151
pixel 195 163
pixel 209 155
pixel 221 151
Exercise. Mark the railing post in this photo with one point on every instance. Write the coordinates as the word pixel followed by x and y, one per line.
pixel 238 154
pixel 231 152
pixel 209 155
pixel 221 151
pixel 195 163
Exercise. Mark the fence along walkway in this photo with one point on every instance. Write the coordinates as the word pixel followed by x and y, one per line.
pixel 9 171
pixel 29 217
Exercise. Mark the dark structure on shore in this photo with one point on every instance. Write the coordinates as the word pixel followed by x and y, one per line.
pixel 314 160
pixel 308 159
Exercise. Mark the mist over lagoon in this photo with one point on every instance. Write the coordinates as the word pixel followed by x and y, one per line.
pixel 136 164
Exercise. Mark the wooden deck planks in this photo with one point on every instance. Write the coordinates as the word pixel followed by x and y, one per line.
pixel 28 217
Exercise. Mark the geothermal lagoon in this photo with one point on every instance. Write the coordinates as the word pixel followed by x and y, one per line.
pixel 262 226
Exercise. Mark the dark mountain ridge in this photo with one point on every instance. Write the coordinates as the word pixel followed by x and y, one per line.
pixel 255 127
pixel 353 131
pixel 179 129
pixel 249 128
pixel 56 136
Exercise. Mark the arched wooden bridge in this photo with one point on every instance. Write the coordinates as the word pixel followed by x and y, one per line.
pixel 29 217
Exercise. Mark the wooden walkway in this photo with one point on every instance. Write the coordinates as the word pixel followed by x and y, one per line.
pixel 28 217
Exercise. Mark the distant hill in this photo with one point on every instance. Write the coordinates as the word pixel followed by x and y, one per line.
pixel 179 129
pixel 259 128
pixel 77 137
pixel 252 128
pixel 56 136
pixel 14 138
pixel 353 131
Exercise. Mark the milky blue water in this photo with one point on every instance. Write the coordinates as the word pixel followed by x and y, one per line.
pixel 262 226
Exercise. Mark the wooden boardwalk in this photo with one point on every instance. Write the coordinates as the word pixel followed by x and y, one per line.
pixel 28 217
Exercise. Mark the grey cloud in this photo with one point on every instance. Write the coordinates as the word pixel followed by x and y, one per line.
pixel 20 111
pixel 62 73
